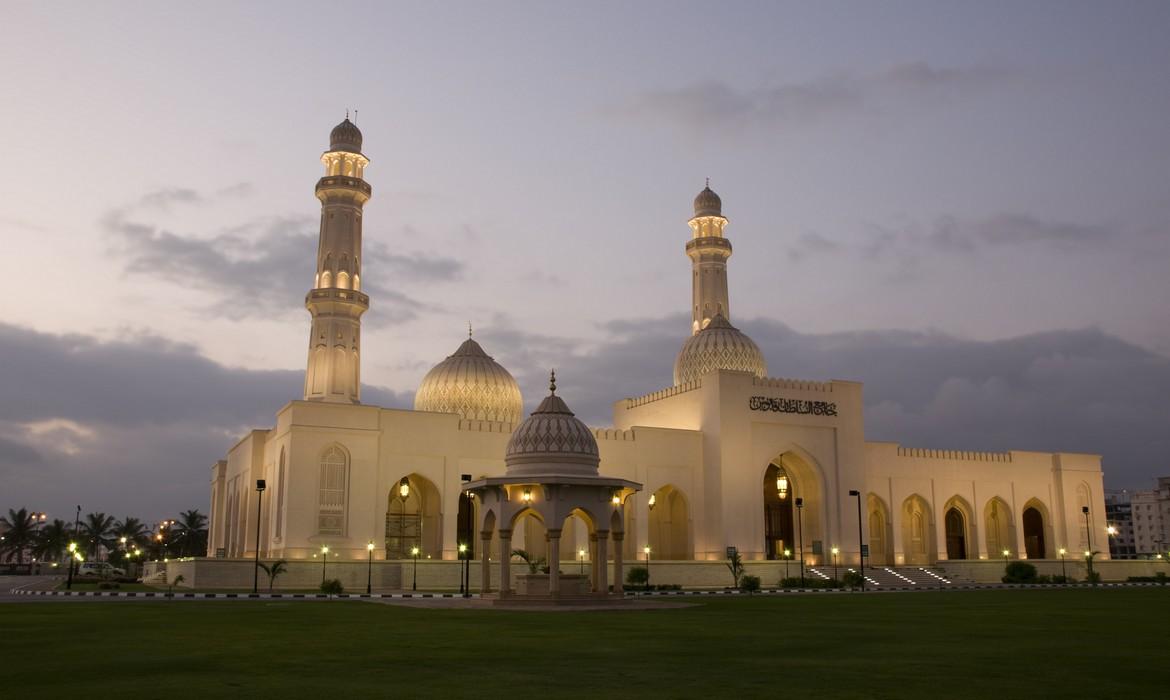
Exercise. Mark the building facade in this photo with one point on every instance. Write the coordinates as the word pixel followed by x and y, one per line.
pixel 726 456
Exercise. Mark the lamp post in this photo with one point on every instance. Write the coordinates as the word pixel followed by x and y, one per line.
pixel 787 558
pixel 646 549
pixel 256 568
pixel 324 558
pixel 369 566
pixel 1089 541
pixel 72 553
pixel 581 561
pixel 1006 554
pixel 860 540
pixel 1063 573
pixel 414 573
pixel 76 529
pixel 462 566
pixel 800 534
pixel 835 551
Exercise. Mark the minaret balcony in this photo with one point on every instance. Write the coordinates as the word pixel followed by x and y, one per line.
pixel 709 242
pixel 341 182
pixel 334 294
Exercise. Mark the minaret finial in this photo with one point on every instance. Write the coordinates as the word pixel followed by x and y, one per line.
pixel 708 183
pixel 552 382
pixel 469 329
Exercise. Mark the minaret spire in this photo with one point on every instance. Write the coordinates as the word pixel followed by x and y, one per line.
pixel 336 301
pixel 708 251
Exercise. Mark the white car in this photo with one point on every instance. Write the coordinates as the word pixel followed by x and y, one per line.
pixel 99 568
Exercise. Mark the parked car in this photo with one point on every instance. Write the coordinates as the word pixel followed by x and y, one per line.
pixel 99 568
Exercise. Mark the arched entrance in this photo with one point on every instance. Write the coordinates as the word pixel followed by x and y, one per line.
pixel 1034 533
pixel 669 524
pixel 779 528
pixel 879 525
pixel 956 528
pixel 1000 530
pixel 917 530
pixel 413 520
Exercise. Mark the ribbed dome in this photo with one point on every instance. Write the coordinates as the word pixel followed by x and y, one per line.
pixel 707 203
pixel 346 137
pixel 718 346
pixel 473 385
pixel 552 441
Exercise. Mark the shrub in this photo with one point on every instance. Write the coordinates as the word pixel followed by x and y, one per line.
pixel 749 584
pixel 668 587
pixel 735 565
pixel 1094 577
pixel 1019 572
pixel 638 576
pixel 794 582
pixel 332 587
pixel 108 585
pixel 853 579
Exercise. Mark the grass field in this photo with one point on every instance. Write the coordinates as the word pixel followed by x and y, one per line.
pixel 977 644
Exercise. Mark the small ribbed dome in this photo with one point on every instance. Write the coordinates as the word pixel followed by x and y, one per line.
pixel 552 441
pixel 473 385
pixel 718 346
pixel 707 203
pixel 346 137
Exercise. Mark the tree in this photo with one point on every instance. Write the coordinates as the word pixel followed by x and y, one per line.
pixel 191 533
pixel 133 529
pixel 735 564
pixel 53 540
pixel 18 530
pixel 534 563
pixel 99 528
pixel 273 570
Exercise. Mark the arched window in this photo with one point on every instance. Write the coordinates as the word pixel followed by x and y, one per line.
pixel 333 492
pixel 343 280
pixel 326 280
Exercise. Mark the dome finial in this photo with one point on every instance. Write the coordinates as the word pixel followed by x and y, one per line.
pixel 552 382
pixel 347 113
pixel 708 183
pixel 469 329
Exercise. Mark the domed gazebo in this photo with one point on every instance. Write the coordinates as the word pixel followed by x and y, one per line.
pixel 552 475
pixel 469 382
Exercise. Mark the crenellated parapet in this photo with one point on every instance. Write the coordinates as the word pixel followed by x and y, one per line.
pixel 792 384
pixel 614 434
pixel 664 393
pixel 962 455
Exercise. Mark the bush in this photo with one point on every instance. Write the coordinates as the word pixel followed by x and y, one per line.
pixel 1019 572
pixel 668 587
pixel 809 582
pixel 1094 577
pixel 638 576
pixel 853 579
pixel 749 584
pixel 332 587
pixel 108 585
pixel 1159 577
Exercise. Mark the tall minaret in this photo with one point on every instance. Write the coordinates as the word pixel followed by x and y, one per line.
pixel 708 251
pixel 336 301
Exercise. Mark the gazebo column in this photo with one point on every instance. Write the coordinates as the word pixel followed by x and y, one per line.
pixel 505 562
pixel 602 558
pixel 593 573
pixel 618 576
pixel 554 561
pixel 485 585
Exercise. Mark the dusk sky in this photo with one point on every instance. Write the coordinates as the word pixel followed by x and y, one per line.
pixel 964 205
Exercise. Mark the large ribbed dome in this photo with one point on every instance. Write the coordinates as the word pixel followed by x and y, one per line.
pixel 552 441
pixel 473 385
pixel 346 137
pixel 718 346
pixel 707 203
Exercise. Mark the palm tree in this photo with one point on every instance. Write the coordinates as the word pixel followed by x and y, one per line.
pixel 53 540
pixel 191 530
pixel 18 529
pixel 99 528
pixel 133 529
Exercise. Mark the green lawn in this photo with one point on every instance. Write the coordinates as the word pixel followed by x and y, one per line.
pixel 977 644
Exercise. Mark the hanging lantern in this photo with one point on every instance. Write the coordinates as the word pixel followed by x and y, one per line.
pixel 404 488
pixel 782 486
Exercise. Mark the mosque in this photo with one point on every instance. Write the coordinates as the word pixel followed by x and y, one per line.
pixel 727 456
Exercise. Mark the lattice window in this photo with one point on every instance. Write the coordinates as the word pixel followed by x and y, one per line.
pixel 333 492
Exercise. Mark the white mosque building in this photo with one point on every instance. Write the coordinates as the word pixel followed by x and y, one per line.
pixel 727 456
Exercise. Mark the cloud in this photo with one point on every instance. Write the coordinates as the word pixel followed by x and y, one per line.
pixel 270 261
pixel 715 104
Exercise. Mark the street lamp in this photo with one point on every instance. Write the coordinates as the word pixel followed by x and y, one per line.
pixel 1006 554
pixel 646 549
pixel 800 534
pixel 860 540
pixel 1063 573
pixel 414 573
pixel 72 553
pixel 464 583
pixel 835 551
pixel 787 558
pixel 581 560
pixel 324 558
pixel 369 566
pixel 256 569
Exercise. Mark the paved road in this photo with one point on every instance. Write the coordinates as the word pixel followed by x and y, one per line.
pixel 7 583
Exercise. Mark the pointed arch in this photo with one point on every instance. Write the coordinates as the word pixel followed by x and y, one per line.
pixel 880 535
pixel 326 279
pixel 917 531
pixel 1037 528
pixel 343 280
pixel 413 518
pixel 333 490
pixel 670 524
pixel 959 528
pixel 1000 528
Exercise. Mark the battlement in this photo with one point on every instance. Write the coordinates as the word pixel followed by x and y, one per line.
pixel 794 384
pixel 486 426
pixel 613 434
pixel 954 454
pixel 663 394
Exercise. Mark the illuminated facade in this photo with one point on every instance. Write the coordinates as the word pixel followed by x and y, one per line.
pixel 727 456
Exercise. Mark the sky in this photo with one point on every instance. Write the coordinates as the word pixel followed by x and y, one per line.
pixel 966 206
